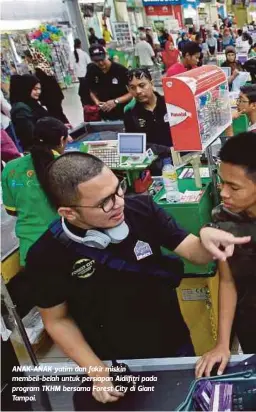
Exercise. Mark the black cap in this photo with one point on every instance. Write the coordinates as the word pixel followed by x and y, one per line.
pixel 97 52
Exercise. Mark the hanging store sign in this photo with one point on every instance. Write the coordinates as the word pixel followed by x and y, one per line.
pixel 165 11
pixel 161 2
pixel 158 10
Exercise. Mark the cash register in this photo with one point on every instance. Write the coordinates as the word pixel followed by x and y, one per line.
pixel 132 146
pixel 128 150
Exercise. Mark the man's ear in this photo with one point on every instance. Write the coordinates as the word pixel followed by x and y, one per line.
pixel 68 213
pixel 62 141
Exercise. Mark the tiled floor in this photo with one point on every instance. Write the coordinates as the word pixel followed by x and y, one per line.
pixel 72 106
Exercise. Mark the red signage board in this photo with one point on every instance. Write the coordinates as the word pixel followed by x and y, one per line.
pixel 165 11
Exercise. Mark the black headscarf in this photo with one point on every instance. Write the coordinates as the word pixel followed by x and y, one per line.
pixel 21 88
pixel 20 92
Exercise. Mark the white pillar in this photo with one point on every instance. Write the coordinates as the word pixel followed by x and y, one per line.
pixel 77 22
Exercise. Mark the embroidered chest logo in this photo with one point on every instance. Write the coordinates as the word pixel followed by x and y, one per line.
pixel 142 250
pixel 83 268
pixel 142 122
pixel 30 173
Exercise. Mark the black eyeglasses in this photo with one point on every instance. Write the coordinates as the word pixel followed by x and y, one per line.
pixel 138 74
pixel 239 100
pixel 109 202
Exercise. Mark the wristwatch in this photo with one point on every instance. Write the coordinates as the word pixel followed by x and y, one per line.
pixel 212 225
pixel 116 101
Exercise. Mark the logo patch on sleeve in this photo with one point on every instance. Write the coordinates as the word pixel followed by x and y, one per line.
pixel 83 268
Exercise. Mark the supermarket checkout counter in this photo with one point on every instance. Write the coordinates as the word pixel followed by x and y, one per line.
pixel 92 131
pixel 124 153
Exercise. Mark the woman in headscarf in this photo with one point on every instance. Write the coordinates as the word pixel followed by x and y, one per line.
pixel 26 110
pixel 170 55
pixel 51 95
pixel 234 64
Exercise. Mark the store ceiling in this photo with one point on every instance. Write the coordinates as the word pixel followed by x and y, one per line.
pixel 32 9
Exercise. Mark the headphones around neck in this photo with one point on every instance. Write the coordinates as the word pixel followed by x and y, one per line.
pixel 97 239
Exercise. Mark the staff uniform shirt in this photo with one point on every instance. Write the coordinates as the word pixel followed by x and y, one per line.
pixel 121 314
pixel 108 86
pixel 23 195
pixel 154 123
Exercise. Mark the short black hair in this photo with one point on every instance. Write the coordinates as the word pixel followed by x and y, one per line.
pixel 65 174
pixel 138 74
pixel 191 48
pixel 250 92
pixel 240 150
pixel 239 32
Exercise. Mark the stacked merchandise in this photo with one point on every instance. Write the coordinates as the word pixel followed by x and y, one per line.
pixel 198 107
pixel 60 60
pixel 49 40
pixel 52 42
pixel 7 59
pixel 213 112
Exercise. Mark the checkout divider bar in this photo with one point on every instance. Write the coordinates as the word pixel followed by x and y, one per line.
pixel 136 365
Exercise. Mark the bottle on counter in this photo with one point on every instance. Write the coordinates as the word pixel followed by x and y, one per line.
pixel 170 180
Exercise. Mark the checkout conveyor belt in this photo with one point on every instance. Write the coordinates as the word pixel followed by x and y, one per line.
pixel 174 378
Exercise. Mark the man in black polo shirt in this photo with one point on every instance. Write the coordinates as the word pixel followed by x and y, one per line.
pixel 102 286
pixel 107 82
pixel 147 113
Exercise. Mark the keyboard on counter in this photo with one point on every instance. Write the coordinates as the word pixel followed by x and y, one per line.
pixel 109 155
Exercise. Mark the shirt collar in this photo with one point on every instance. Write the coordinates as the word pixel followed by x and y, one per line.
pixel 140 106
pixel 78 231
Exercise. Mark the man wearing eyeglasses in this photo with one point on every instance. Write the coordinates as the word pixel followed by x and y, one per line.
pixel 246 104
pixel 98 277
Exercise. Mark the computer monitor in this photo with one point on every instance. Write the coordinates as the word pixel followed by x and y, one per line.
pixel 227 71
pixel 131 144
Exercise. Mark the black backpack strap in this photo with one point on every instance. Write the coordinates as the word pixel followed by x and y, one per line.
pixel 104 257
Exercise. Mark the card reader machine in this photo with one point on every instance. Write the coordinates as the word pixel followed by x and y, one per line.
pixel 133 146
